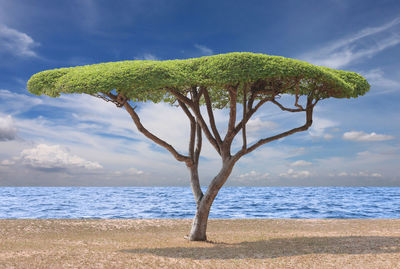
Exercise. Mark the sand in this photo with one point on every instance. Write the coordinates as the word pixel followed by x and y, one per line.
pixel 248 243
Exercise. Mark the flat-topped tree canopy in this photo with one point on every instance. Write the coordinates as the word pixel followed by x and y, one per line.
pixel 141 80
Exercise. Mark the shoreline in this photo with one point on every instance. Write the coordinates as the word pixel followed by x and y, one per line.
pixel 235 243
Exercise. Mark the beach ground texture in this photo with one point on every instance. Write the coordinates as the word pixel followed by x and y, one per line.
pixel 239 243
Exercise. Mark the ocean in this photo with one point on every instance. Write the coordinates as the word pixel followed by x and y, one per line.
pixel 178 202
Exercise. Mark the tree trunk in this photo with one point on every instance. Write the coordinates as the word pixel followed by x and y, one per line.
pixel 195 183
pixel 199 225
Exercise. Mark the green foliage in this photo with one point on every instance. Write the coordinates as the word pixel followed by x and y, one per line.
pixel 149 80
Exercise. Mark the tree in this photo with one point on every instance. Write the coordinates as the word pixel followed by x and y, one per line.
pixel 216 82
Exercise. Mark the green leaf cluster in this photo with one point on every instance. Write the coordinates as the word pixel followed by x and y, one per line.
pixel 150 80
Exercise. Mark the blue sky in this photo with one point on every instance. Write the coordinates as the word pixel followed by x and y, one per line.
pixel 80 140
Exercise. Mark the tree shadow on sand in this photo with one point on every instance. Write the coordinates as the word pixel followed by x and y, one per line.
pixel 280 247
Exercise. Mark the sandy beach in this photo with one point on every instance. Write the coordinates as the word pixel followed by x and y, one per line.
pixel 244 243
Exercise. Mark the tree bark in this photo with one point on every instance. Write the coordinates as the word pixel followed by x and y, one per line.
pixel 195 183
pixel 199 225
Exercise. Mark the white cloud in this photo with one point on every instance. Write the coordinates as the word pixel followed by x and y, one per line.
pixel 328 136
pixel 378 162
pixel 364 137
pixel 134 171
pixel 17 43
pixel 51 157
pixel 364 44
pixel 300 163
pixel 7 128
pixel 274 155
pixel 249 178
pixel 17 103
pixel 319 127
pixel 382 84
pixel 82 121
pixel 204 50
pixel 169 123
pixel 377 155
pixel 296 174
pixel 130 172
pixel 257 124
pixel 147 57
pixel 253 174
pixel 359 174
pixel 7 162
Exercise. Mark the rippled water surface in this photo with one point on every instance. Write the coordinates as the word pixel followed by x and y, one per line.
pixel 178 202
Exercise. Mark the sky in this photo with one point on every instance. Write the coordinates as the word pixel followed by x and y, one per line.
pixel 80 140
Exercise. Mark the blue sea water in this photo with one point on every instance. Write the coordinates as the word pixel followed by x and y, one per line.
pixel 178 202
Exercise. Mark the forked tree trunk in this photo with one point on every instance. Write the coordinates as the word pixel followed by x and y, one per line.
pixel 199 225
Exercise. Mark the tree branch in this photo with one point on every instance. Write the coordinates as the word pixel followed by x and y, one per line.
pixel 249 113
pixel 244 146
pixel 261 102
pixel 196 110
pixel 316 101
pixel 296 103
pixel 192 129
pixel 155 139
pixel 194 154
pixel 251 100
pixel 199 143
pixel 232 114
pixel 211 118
pixel 309 112
pixel 180 96
pixel 287 109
